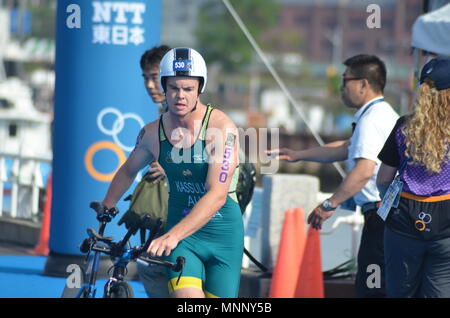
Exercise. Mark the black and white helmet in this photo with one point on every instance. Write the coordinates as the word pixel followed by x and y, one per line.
pixel 183 61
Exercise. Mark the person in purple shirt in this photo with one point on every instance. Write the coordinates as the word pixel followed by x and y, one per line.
pixel 417 231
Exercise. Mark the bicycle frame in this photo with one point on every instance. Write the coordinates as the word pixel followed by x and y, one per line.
pixel 118 252
pixel 89 290
pixel 104 217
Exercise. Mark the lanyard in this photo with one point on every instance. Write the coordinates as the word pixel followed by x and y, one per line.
pixel 402 167
pixel 376 101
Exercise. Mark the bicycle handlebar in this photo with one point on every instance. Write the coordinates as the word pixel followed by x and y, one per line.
pixel 103 213
pixel 177 267
pixel 116 249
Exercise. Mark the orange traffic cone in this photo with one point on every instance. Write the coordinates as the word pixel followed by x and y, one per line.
pixel 41 247
pixel 301 232
pixel 310 278
pixel 290 251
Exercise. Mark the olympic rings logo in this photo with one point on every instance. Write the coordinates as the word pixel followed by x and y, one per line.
pixel 118 125
pixel 117 147
pixel 425 218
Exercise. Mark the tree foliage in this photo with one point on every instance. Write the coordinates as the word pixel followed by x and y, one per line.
pixel 220 38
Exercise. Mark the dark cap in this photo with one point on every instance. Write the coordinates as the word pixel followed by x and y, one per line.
pixel 438 69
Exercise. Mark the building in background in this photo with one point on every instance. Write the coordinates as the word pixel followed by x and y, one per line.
pixel 333 30
pixel 179 22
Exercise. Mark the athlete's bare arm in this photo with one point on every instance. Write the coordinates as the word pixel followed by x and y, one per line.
pixel 142 155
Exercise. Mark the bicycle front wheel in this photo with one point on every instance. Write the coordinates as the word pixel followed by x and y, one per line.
pixel 119 290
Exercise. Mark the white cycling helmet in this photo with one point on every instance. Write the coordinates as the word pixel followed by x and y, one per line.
pixel 183 61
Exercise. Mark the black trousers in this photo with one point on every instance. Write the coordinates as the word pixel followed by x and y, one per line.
pixel 417 268
pixel 370 280
pixel 417 249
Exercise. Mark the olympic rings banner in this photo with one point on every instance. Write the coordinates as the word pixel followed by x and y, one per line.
pixel 100 106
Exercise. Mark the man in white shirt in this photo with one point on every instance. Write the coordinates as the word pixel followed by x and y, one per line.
pixel 362 88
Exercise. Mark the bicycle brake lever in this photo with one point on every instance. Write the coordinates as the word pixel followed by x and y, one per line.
pixel 179 264
pixel 179 276
pixel 179 267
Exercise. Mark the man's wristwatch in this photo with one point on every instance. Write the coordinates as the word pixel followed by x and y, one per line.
pixel 326 205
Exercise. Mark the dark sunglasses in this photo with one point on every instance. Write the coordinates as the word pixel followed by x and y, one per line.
pixel 346 79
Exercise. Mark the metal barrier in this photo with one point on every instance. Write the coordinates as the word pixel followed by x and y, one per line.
pixel 26 181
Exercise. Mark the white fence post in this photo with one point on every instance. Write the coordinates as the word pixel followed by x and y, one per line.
pixel 14 186
pixel 36 183
pixel 25 173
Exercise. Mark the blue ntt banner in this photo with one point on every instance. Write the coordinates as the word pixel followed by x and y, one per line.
pixel 100 106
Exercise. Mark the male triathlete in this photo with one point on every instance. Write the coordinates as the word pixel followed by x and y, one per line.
pixel 197 146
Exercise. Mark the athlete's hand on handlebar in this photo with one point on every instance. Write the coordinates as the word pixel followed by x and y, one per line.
pixel 163 245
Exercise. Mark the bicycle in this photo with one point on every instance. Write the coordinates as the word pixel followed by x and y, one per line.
pixel 121 254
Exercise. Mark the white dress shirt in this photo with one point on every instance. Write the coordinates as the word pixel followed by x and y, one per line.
pixel 373 126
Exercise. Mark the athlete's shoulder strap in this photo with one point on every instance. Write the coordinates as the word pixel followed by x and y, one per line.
pixel 205 122
pixel 162 134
